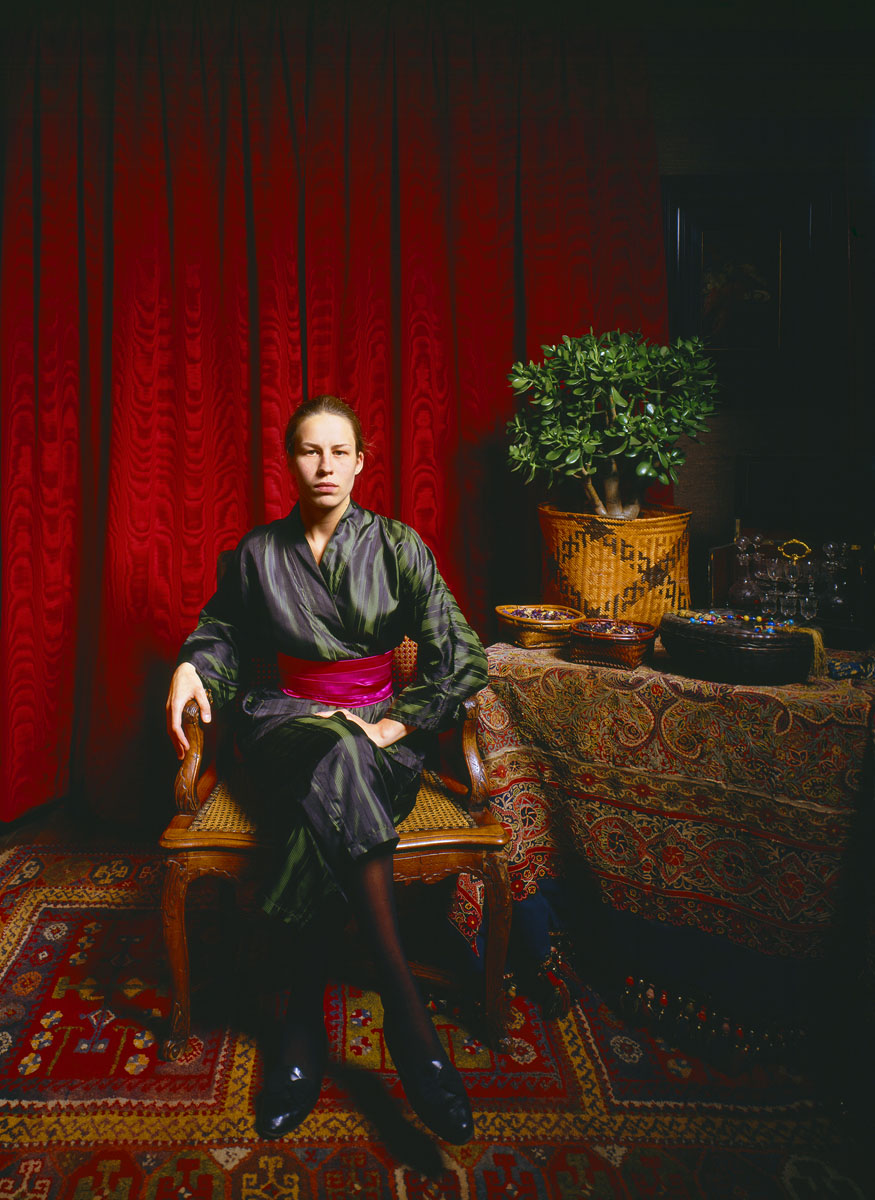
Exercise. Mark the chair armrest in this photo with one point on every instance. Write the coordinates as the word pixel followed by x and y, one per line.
pixel 479 801
pixel 185 788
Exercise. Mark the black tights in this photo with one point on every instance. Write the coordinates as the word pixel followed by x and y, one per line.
pixel 372 898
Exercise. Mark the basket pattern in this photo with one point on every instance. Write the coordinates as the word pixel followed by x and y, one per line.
pixel 604 567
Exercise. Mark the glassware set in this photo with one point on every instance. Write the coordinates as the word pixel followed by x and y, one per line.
pixel 787 582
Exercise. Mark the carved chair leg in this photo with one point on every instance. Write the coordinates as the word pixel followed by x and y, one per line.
pixel 498 900
pixel 176 882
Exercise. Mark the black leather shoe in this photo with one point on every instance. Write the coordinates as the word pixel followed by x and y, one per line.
pixel 287 1098
pixel 437 1095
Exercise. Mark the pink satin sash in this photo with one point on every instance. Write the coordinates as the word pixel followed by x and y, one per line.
pixel 348 683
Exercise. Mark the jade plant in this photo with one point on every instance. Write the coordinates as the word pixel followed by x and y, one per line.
pixel 608 412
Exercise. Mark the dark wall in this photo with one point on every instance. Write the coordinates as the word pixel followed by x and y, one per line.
pixel 770 128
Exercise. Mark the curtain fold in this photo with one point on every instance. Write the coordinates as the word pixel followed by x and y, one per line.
pixel 209 212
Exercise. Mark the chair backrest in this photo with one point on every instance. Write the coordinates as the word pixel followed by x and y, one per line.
pixel 404 662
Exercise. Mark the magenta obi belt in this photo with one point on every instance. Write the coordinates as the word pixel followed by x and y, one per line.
pixel 348 683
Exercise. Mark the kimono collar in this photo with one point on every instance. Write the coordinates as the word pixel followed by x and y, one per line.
pixel 337 552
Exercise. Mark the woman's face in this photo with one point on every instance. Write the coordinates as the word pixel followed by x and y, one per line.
pixel 325 462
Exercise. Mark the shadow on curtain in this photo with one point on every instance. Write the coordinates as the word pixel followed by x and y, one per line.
pixel 208 216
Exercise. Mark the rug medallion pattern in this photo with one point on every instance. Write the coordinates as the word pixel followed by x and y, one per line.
pixel 580 1106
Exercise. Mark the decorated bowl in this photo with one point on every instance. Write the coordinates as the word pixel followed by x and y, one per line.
pixel 604 642
pixel 536 624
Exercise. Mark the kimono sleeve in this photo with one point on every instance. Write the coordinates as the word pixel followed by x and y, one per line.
pixel 217 644
pixel 451 661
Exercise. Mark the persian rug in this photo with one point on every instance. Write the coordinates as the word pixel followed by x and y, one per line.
pixel 580 1106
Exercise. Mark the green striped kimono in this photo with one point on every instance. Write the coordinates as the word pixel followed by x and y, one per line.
pixel 324 793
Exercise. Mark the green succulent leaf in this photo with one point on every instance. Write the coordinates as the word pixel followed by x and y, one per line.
pixel 609 399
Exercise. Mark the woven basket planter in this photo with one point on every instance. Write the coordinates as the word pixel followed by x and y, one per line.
pixel 635 570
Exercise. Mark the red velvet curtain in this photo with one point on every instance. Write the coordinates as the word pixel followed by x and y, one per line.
pixel 210 211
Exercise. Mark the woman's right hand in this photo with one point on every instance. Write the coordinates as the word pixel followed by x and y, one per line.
pixel 184 686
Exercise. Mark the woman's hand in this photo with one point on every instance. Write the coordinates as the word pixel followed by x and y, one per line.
pixel 184 686
pixel 382 733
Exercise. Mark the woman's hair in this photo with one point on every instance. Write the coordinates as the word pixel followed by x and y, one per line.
pixel 323 404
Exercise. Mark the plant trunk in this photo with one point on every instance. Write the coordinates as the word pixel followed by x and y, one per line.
pixel 594 498
pixel 614 506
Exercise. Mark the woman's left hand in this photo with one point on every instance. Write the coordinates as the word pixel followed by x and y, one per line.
pixel 382 733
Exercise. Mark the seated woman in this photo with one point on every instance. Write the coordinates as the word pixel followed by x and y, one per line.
pixel 329 591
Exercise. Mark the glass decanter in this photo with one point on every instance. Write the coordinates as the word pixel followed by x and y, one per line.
pixel 744 593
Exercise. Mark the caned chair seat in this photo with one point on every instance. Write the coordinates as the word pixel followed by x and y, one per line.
pixel 449 831
pixel 436 808
pixel 221 813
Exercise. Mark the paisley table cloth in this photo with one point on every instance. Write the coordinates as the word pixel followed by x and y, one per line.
pixel 728 808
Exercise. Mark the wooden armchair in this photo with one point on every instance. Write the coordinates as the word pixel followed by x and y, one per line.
pixel 450 831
